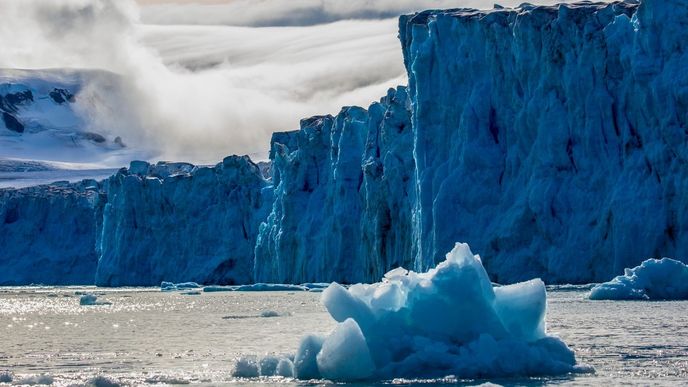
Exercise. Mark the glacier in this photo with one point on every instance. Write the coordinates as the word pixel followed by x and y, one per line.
pixel 447 321
pixel 654 279
pixel 179 222
pixel 336 214
pixel 48 233
pixel 552 139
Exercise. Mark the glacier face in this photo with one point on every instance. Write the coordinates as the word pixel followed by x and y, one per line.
pixel 551 139
pixel 179 222
pixel 341 207
pixel 48 234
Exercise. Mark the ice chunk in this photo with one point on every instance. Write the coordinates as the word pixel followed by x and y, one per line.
pixel 654 279
pixel 345 355
pixel 36 380
pixel 259 287
pixel 5 377
pixel 521 308
pixel 305 363
pixel 268 365
pixel 88 299
pixel 285 368
pixel 102 381
pixel 246 367
pixel 446 321
pixel 170 286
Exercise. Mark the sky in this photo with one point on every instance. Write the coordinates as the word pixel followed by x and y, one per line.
pixel 199 80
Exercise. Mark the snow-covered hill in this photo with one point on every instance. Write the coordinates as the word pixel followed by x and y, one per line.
pixel 45 119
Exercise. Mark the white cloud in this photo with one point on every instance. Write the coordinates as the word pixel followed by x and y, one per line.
pixel 218 85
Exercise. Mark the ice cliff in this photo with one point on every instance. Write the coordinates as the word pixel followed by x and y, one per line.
pixel 179 222
pixel 552 139
pixel 342 197
pixel 48 234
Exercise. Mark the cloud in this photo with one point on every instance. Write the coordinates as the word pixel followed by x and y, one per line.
pixel 206 81
pixel 264 13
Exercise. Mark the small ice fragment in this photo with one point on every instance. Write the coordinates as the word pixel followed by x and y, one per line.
pixel 88 299
pixel 102 381
pixel 285 368
pixel 268 365
pixel 5 377
pixel 269 313
pixel 345 354
pixel 246 367
pixel 305 364
pixel 36 380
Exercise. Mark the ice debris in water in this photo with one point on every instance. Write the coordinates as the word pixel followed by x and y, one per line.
pixel 102 381
pixel 270 365
pixel 36 380
pixel 170 286
pixel 5 377
pixel 88 299
pixel 654 279
pixel 447 321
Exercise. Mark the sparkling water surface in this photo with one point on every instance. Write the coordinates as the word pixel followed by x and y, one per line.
pixel 145 336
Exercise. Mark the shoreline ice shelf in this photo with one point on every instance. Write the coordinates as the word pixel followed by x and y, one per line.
pixel 552 139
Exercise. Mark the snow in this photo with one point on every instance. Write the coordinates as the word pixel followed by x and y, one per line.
pixel 52 119
pixel 446 321
pixel 654 279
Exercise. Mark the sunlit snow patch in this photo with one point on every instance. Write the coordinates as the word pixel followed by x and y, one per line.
pixel 654 279
pixel 447 321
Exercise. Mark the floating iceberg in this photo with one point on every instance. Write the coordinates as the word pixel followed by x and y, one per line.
pixel 654 279
pixel 447 321
pixel 89 299
pixel 171 287
pixel 262 287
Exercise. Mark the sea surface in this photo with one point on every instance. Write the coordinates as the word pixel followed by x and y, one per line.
pixel 144 336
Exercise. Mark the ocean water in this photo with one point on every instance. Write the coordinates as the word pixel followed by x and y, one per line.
pixel 144 336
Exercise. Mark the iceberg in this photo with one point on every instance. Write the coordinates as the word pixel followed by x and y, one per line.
pixel 171 287
pixel 654 279
pixel 447 321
